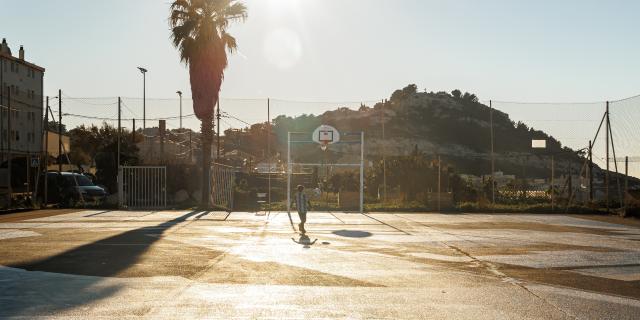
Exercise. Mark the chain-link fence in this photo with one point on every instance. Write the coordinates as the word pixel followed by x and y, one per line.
pixel 423 151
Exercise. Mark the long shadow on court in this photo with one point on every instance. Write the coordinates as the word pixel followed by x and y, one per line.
pixel 53 289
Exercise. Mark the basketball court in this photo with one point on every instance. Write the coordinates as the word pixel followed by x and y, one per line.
pixel 196 264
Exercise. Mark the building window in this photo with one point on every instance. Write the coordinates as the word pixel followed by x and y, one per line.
pixel 17 135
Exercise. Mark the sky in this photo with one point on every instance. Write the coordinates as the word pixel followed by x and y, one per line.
pixel 346 50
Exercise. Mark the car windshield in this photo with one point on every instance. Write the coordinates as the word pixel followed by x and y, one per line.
pixel 82 180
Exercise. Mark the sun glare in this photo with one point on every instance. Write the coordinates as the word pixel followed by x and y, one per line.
pixel 283 3
pixel 283 6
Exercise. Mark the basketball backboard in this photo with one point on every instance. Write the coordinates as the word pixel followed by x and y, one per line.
pixel 326 134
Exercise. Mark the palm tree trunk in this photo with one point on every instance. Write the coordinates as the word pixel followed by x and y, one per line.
pixel 207 136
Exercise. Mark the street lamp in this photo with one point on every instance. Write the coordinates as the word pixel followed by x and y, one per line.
pixel 144 97
pixel 180 94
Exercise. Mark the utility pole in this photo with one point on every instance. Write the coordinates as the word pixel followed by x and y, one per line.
pixel 384 155
pixel 10 155
pixel 268 149
pixel 493 165
pixel 46 154
pixel 590 171
pixel 218 116
pixel 144 97
pixel 119 130
pixel 119 181
pixel 133 131
pixel 606 178
pixel 59 130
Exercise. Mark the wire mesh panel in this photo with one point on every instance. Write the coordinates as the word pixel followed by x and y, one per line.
pixel 222 184
pixel 143 187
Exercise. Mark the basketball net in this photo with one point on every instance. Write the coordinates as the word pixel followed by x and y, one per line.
pixel 324 145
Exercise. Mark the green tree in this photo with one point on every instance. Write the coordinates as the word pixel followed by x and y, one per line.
pixel 199 31
pixel 99 145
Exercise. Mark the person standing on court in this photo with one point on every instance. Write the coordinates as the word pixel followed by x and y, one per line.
pixel 302 205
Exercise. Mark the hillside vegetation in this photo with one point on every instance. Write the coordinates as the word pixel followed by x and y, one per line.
pixel 454 125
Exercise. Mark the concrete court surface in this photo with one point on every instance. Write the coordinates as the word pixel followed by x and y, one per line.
pixel 214 265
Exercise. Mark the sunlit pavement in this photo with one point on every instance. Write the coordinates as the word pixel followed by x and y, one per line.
pixel 183 264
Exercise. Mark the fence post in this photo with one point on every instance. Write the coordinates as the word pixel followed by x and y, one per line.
pixel 268 151
pixel 553 173
pixel 289 172
pixel 590 171
pixel 120 188
pixel 362 172
pixel 626 182
pixel 46 154
pixel 606 178
pixel 439 180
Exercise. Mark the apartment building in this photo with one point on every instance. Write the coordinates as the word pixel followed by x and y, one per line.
pixel 22 90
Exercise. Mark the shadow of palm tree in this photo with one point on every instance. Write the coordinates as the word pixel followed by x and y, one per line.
pixel 53 289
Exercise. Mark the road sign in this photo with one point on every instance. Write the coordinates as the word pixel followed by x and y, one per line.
pixel 539 144
pixel 35 162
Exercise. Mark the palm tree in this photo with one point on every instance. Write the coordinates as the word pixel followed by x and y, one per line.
pixel 199 31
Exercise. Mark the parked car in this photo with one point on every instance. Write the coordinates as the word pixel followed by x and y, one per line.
pixel 69 189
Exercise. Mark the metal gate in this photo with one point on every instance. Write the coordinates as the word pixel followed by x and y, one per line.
pixel 142 187
pixel 222 179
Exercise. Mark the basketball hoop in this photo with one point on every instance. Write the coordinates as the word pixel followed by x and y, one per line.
pixel 325 135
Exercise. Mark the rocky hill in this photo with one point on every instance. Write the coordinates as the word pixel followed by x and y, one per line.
pixel 453 125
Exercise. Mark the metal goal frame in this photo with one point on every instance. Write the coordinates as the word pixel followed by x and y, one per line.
pixel 291 164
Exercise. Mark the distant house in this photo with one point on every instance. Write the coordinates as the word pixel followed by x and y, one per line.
pixel 273 166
